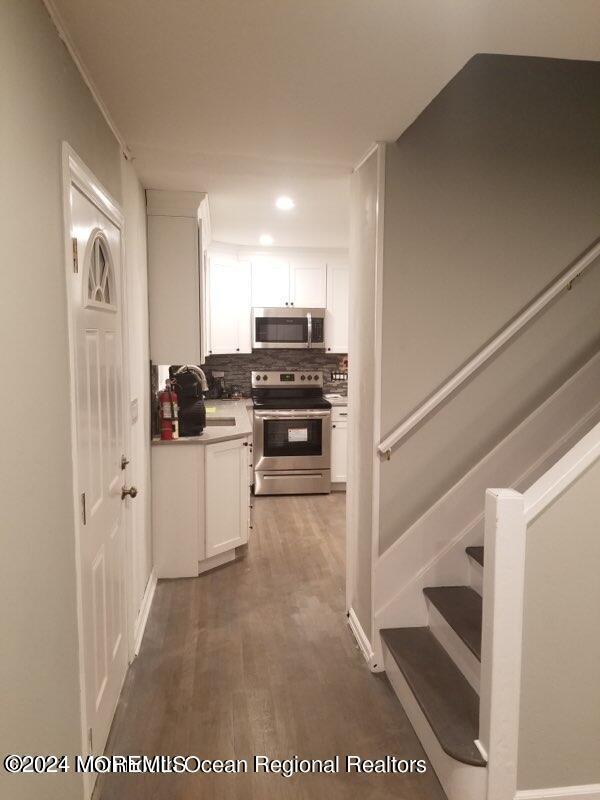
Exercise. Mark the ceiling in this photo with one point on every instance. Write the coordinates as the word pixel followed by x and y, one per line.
pixel 250 99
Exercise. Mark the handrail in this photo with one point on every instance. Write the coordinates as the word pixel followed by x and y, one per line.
pixel 518 322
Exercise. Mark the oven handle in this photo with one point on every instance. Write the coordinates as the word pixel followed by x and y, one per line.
pixel 309 318
pixel 294 414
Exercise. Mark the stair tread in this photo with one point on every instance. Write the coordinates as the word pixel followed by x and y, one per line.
pixel 448 701
pixel 476 553
pixel 461 607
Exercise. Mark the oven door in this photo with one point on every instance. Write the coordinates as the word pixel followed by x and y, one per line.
pixel 294 439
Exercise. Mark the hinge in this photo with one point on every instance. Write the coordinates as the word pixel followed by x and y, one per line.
pixel 75 258
pixel 83 512
pixel 90 740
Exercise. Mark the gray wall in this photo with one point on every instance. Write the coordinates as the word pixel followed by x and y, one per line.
pixel 559 736
pixel 489 195
pixel 43 101
pixel 363 215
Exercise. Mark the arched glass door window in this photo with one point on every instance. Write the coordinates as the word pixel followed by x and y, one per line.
pixel 101 284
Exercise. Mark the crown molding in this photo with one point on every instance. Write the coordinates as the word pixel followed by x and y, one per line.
pixel 83 71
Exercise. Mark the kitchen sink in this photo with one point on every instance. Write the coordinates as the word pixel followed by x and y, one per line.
pixel 225 421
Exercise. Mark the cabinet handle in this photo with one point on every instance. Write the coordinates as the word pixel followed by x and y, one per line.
pixel 237 349
pixel 287 304
pixel 291 304
pixel 333 426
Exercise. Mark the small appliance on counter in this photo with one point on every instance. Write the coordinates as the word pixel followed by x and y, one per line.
pixel 292 433
pixel 190 385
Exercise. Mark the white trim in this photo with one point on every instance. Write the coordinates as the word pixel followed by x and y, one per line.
pixel 590 791
pixel 144 612
pixel 65 37
pixel 364 158
pixel 501 644
pixel 562 474
pixel 76 173
pixel 459 781
pixel 216 561
pixel 361 637
pixel 489 350
pixel 377 360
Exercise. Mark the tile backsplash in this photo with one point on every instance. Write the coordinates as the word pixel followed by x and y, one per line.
pixel 237 367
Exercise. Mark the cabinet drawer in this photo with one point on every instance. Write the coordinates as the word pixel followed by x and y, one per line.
pixel 339 414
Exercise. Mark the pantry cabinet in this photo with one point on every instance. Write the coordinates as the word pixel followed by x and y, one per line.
pixel 228 307
pixel 336 321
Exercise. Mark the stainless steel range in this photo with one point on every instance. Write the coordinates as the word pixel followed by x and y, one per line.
pixel 292 433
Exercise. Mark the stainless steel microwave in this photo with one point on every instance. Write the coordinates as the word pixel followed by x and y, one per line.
pixel 298 328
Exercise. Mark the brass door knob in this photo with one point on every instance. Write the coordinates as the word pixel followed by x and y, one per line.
pixel 131 492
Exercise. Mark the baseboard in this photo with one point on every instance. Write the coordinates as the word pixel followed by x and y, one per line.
pixel 140 623
pixel 216 561
pixel 361 637
pixel 590 791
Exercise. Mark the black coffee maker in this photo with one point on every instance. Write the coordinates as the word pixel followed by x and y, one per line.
pixel 190 386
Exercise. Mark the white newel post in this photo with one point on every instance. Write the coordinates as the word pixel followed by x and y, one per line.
pixel 503 585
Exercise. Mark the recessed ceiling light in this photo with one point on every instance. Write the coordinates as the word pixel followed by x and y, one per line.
pixel 266 239
pixel 285 203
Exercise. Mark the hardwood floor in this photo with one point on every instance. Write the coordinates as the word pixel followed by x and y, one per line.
pixel 256 657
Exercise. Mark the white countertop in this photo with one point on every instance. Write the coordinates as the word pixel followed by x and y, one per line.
pixel 337 399
pixel 237 410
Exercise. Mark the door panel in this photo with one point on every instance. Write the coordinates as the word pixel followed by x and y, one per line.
pixel 308 285
pixel 338 298
pixel 227 496
pixel 270 282
pixel 96 309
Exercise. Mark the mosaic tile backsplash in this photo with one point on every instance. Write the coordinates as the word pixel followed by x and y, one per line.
pixel 237 367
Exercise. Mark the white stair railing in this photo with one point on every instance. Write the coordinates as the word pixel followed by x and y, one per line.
pixel 563 282
pixel 507 517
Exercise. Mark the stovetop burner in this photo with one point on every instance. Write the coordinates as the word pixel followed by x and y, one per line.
pixel 288 390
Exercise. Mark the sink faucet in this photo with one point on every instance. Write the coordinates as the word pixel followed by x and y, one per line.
pixel 197 372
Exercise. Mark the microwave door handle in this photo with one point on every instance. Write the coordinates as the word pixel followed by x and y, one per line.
pixel 309 318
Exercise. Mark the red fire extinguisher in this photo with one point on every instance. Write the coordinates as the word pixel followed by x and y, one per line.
pixel 169 413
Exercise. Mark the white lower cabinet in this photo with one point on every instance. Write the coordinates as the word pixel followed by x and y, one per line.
pixel 227 503
pixel 339 444
pixel 200 505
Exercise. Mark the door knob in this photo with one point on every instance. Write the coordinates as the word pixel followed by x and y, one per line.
pixel 131 492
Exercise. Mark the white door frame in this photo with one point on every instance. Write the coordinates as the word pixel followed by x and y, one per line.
pixel 76 173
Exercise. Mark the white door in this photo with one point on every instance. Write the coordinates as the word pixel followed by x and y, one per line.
pixel 338 298
pixel 229 298
pixel 227 496
pixel 270 283
pixel 308 284
pixel 95 306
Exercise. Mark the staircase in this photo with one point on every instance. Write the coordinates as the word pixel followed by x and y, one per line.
pixel 435 671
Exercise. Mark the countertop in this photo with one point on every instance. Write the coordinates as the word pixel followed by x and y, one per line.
pixel 337 399
pixel 219 410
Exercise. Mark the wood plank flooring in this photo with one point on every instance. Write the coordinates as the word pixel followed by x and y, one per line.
pixel 256 657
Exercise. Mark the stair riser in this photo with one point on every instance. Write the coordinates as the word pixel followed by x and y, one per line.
pixel 459 781
pixel 476 576
pixel 464 659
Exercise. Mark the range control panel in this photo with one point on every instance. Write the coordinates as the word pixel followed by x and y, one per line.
pixel 289 379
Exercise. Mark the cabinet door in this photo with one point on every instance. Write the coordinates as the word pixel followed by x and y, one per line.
pixel 229 305
pixel 336 322
pixel 308 284
pixel 339 451
pixel 227 496
pixel 173 290
pixel 270 282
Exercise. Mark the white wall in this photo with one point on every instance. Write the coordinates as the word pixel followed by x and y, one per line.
pixel 134 208
pixel 43 102
pixel 559 736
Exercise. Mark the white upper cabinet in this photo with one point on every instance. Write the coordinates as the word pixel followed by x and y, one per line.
pixel 270 282
pixel 308 285
pixel 228 308
pixel 336 322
